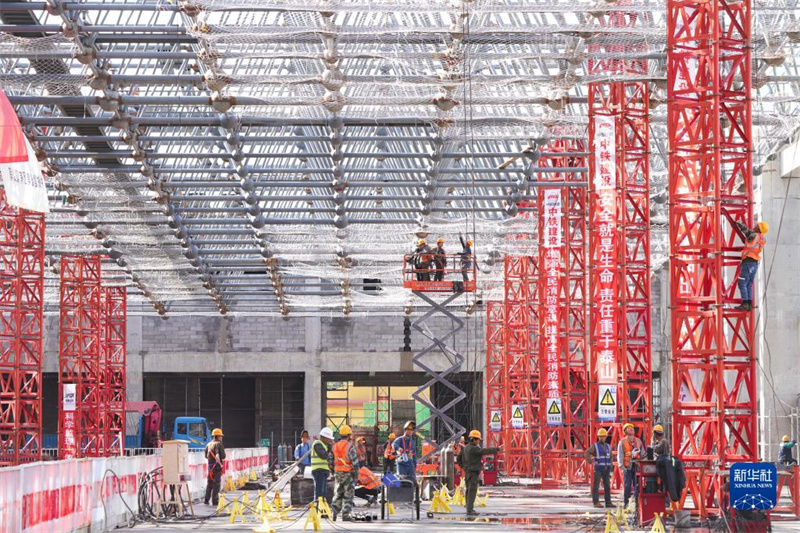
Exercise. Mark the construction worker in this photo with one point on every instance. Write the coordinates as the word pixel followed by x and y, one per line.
pixel 466 257
pixel 785 455
pixel 629 450
pixel 321 458
pixel 388 454
pixel 472 462
pixel 215 455
pixel 368 484
pixel 660 444
pixel 439 260
pixel 345 459
pixel 406 450
pixel 599 454
pixel 751 254
pixel 361 451
pixel 421 259
pixel 302 449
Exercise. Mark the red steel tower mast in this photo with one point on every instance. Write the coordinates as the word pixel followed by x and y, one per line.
pixel 80 382
pixel 495 372
pixel 112 368
pixel 710 188
pixel 21 311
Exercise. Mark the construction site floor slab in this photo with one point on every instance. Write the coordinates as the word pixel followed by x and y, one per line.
pixel 508 508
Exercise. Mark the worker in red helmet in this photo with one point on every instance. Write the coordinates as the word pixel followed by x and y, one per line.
pixel 439 260
pixel 751 254
pixel 215 455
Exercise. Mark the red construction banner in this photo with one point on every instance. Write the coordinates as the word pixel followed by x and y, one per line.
pixel 13 148
pixel 551 256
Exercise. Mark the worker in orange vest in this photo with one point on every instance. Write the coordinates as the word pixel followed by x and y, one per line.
pixel 368 485
pixel 388 455
pixel 345 459
pixel 629 450
pixel 751 254
pixel 361 451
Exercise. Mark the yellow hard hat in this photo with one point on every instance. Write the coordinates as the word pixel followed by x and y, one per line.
pixel 658 428
pixel 626 426
pixel 440 240
pixel 763 227
pixel 392 436
pixel 475 434
pixel 217 433
pixel 345 430
pixel 786 438
pixel 421 242
pixel 469 243
pixel 602 432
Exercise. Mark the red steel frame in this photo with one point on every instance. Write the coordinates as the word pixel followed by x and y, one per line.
pixel 710 168
pixel 562 446
pixel 21 312
pixel 495 373
pixel 620 248
pixel 112 371
pixel 81 317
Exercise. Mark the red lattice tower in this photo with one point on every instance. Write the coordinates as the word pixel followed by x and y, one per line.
pixel 562 318
pixel 495 372
pixel 21 310
pixel 710 187
pixel 81 316
pixel 112 368
pixel 619 244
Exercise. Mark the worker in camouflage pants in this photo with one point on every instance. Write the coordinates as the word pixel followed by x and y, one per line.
pixel 345 492
pixel 345 458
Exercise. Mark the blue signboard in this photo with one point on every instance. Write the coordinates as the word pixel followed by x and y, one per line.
pixel 753 486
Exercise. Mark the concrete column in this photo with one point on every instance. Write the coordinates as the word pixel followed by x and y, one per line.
pixel 312 396
pixel 134 368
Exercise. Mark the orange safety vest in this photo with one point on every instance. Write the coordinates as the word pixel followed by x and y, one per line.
pixel 628 449
pixel 754 248
pixel 388 453
pixel 341 463
pixel 367 479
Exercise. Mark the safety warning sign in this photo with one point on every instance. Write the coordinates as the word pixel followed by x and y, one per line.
pixel 495 422
pixel 607 403
pixel 517 418
pixel 554 417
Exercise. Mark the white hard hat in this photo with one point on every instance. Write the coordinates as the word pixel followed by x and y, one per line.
pixel 327 433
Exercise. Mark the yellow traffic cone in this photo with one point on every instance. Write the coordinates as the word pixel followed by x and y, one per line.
pixel 438 505
pixel 277 502
pixel 390 506
pixel 265 527
pixel 245 499
pixel 323 508
pixel 658 525
pixel 235 511
pixel 313 518
pixel 222 504
pixel 253 476
pixel 611 523
pixel 229 484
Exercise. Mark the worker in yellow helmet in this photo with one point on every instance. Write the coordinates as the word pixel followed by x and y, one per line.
pixel 472 463
pixel 599 454
pixel 389 454
pixel 751 254
pixel 421 259
pixel 660 444
pixel 466 257
pixel 785 456
pixel 439 260
pixel 629 451
pixel 345 459
pixel 215 455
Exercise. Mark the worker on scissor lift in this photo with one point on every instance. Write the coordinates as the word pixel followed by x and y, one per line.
pixel 466 257
pixel 751 254
pixel 421 259
pixel 439 260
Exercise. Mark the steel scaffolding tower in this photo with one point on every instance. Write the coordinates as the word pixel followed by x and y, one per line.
pixel 382 408
pixel 619 244
pixel 710 188
pixel 21 312
pixel 495 377
pixel 80 380
pixel 112 368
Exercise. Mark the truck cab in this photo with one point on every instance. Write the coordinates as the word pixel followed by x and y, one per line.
pixel 193 429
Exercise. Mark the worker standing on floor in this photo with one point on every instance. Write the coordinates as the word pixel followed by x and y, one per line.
pixel 785 456
pixel 439 260
pixel 472 462
pixel 751 254
pixel 466 257
pixel 406 450
pixel 302 449
pixel 629 451
pixel 345 459
pixel 215 455
pixel 321 458
pixel 388 454
pixel 660 444
pixel 599 454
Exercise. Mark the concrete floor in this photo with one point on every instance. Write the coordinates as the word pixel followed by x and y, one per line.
pixel 509 508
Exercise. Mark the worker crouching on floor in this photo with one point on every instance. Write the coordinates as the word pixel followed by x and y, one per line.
pixel 345 458
pixel 388 454
pixel 406 450
pixel 215 455
pixel 471 460
pixel 599 454
pixel 628 451
pixel 751 254
pixel 785 453
pixel 368 484
pixel 321 459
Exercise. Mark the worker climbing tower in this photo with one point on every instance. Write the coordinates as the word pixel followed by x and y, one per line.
pixel 709 120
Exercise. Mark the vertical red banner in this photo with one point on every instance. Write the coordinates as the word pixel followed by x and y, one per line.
pixel 551 275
